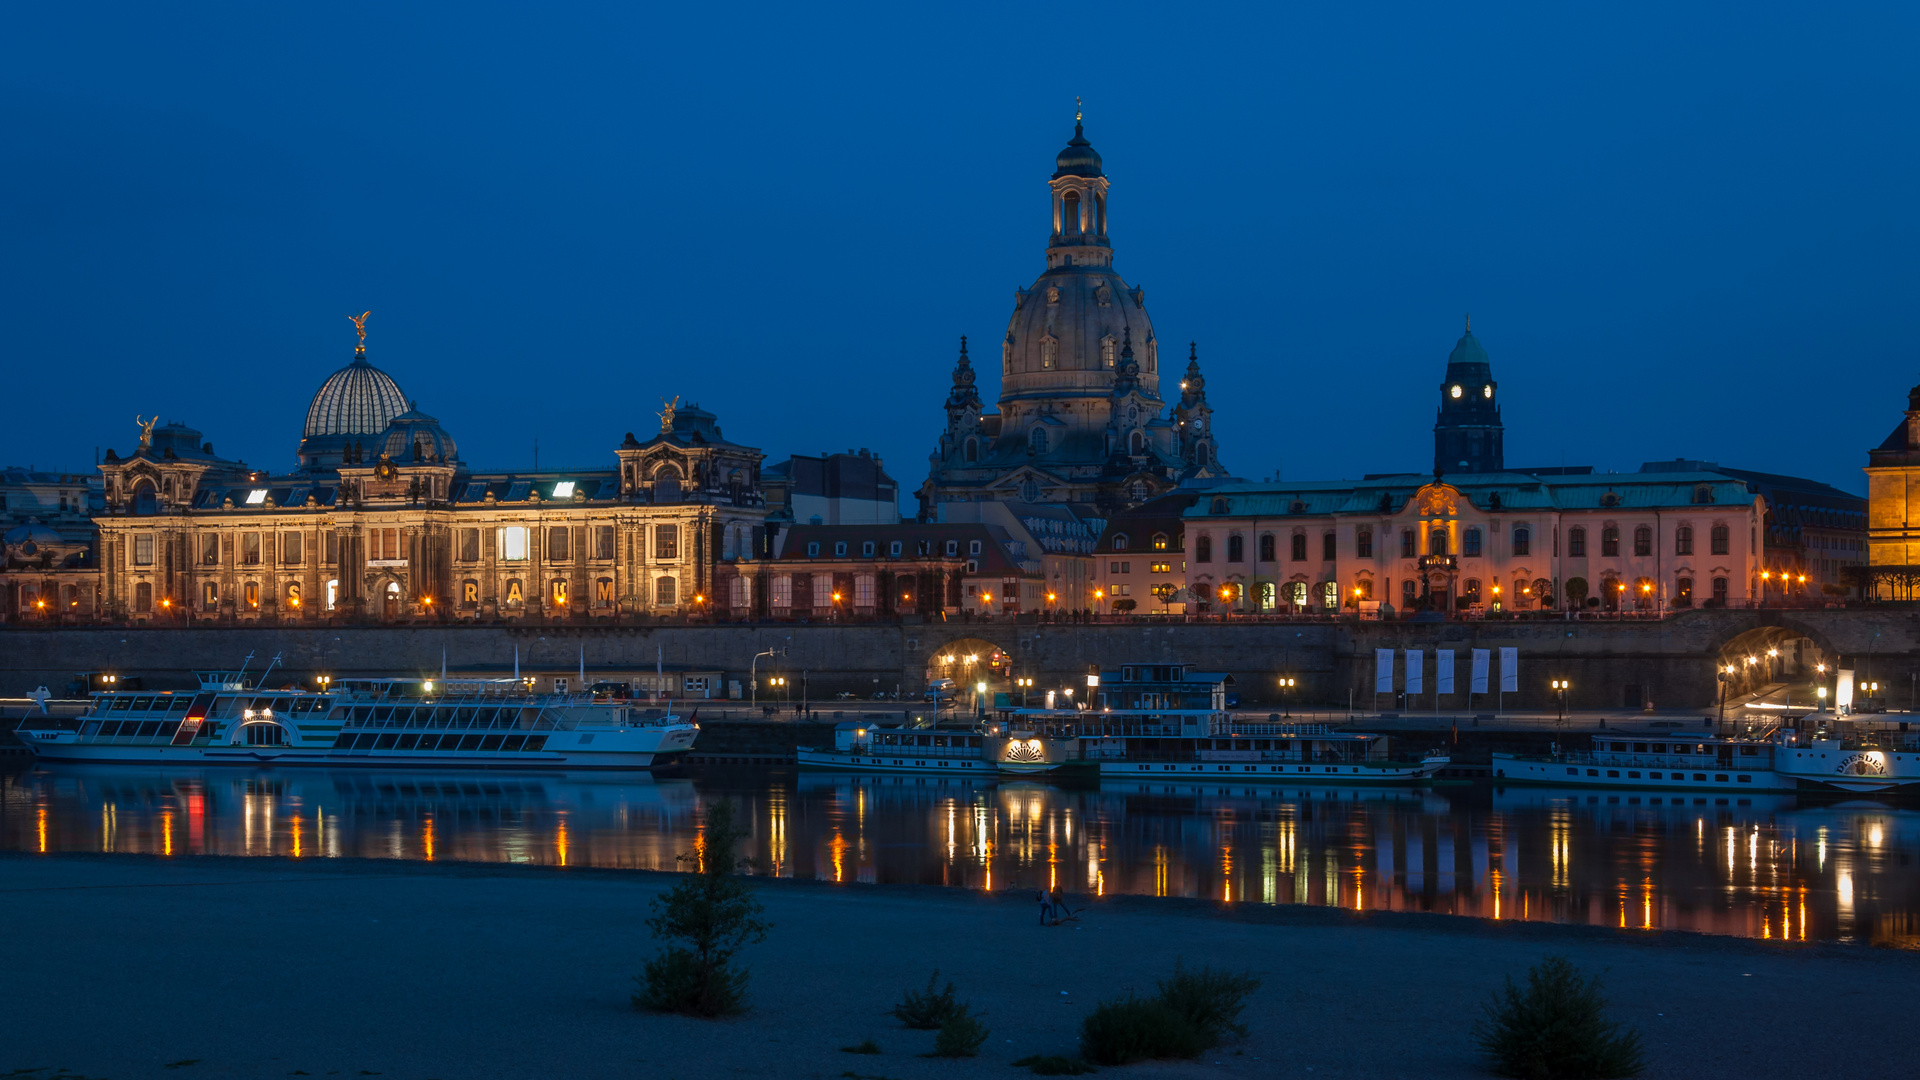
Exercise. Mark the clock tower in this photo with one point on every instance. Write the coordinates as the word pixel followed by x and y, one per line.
pixel 1467 433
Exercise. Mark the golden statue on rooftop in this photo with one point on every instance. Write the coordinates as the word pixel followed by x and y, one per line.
pixel 667 411
pixel 360 325
pixel 146 429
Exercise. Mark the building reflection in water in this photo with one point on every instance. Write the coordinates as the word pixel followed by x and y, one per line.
pixel 1769 867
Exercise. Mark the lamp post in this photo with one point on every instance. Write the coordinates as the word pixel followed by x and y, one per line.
pixel 1286 695
pixel 1725 675
pixel 1560 686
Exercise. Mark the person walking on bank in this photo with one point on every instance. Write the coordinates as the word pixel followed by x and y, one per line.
pixel 1061 912
pixel 1046 908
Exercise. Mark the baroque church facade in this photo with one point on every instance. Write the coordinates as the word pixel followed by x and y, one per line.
pixel 1080 419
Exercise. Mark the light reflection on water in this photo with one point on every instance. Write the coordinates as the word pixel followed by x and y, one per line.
pixel 1767 866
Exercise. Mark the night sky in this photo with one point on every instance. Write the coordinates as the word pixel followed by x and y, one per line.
pixel 1681 230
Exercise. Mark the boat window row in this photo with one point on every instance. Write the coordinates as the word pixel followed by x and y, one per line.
pixel 432 716
pixel 1698 778
pixel 121 729
pixel 163 703
pixel 399 740
pixel 928 740
pixel 1748 750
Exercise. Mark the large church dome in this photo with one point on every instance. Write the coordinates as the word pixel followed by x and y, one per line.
pixel 359 399
pixel 354 406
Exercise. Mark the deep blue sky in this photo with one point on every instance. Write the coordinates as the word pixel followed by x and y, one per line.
pixel 1682 230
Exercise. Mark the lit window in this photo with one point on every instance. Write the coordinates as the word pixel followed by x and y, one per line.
pixel 513 543
pixel 256 496
pixel 563 490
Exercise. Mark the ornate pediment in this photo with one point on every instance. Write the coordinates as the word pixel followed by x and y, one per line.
pixel 1437 500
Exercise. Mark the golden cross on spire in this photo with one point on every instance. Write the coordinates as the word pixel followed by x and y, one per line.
pixel 1076 108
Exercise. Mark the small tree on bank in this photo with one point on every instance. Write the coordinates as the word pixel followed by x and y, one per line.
pixel 707 918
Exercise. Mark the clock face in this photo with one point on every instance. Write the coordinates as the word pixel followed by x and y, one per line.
pixel 1454 391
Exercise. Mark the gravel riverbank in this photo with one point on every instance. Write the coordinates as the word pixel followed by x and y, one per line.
pixel 123 967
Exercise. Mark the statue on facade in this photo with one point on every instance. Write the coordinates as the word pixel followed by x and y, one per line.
pixel 360 325
pixel 667 413
pixel 146 429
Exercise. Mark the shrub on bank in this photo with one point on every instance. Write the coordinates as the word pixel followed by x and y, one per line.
pixel 1193 1011
pixel 960 1036
pixel 1055 1065
pixel 1556 1029
pixel 714 914
pixel 929 1009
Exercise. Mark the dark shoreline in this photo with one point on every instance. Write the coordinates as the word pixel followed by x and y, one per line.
pixel 1289 915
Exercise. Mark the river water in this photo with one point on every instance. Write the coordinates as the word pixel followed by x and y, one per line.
pixel 1763 866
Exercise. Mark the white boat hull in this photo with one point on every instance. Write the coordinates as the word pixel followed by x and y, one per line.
pixel 613 748
pixel 1515 769
pixel 842 761
pixel 1275 772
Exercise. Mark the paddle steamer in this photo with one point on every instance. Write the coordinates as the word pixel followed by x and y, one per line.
pixel 415 723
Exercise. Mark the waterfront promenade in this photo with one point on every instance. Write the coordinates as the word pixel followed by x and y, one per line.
pixel 133 967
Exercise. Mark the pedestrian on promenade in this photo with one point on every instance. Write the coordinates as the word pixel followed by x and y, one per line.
pixel 1046 908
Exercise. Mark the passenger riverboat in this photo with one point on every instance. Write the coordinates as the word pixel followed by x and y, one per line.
pixel 415 723
pixel 1809 752
pixel 1652 759
pixel 1141 721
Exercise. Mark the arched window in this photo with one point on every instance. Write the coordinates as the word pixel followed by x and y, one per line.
pixel 1329 547
pixel 666 542
pixel 1470 591
pixel 1436 541
pixel 666 591
pixel 973 450
pixel 1470 542
pixel 1219 506
pixel 1160 541
pixel 1643 540
pixel 1120 541
pixel 1070 214
pixel 1299 547
pixel 1407 548
pixel 1266 547
pixel 1037 440
pixel 1718 541
pixel 1720 591
pixel 1609 542
pixel 1576 543
pixel 1683 541
pixel 1703 493
pixel 143 597
pixel 1106 350
pixel 1203 549
pixel 1522 540
pixel 1236 548
pixel 1363 542
pixel 1683 592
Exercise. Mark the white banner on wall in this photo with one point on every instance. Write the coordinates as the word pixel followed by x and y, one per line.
pixel 1479 683
pixel 1383 671
pixel 1443 670
pixel 1510 670
pixel 1416 666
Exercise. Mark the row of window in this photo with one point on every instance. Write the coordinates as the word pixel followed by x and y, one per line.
pixel 666 591
pixel 895 548
pixel 1126 567
pixel 429 741
pixel 563 543
pixel 1698 777
pixel 1471 543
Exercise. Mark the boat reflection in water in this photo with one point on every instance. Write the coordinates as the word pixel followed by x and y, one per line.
pixel 1764 866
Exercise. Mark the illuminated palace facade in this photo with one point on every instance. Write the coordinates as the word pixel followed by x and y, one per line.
pixel 382 521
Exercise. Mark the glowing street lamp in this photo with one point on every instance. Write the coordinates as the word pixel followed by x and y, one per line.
pixel 1287 683
pixel 1561 686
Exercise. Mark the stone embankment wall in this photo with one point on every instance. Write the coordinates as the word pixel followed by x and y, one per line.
pixel 1673 660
